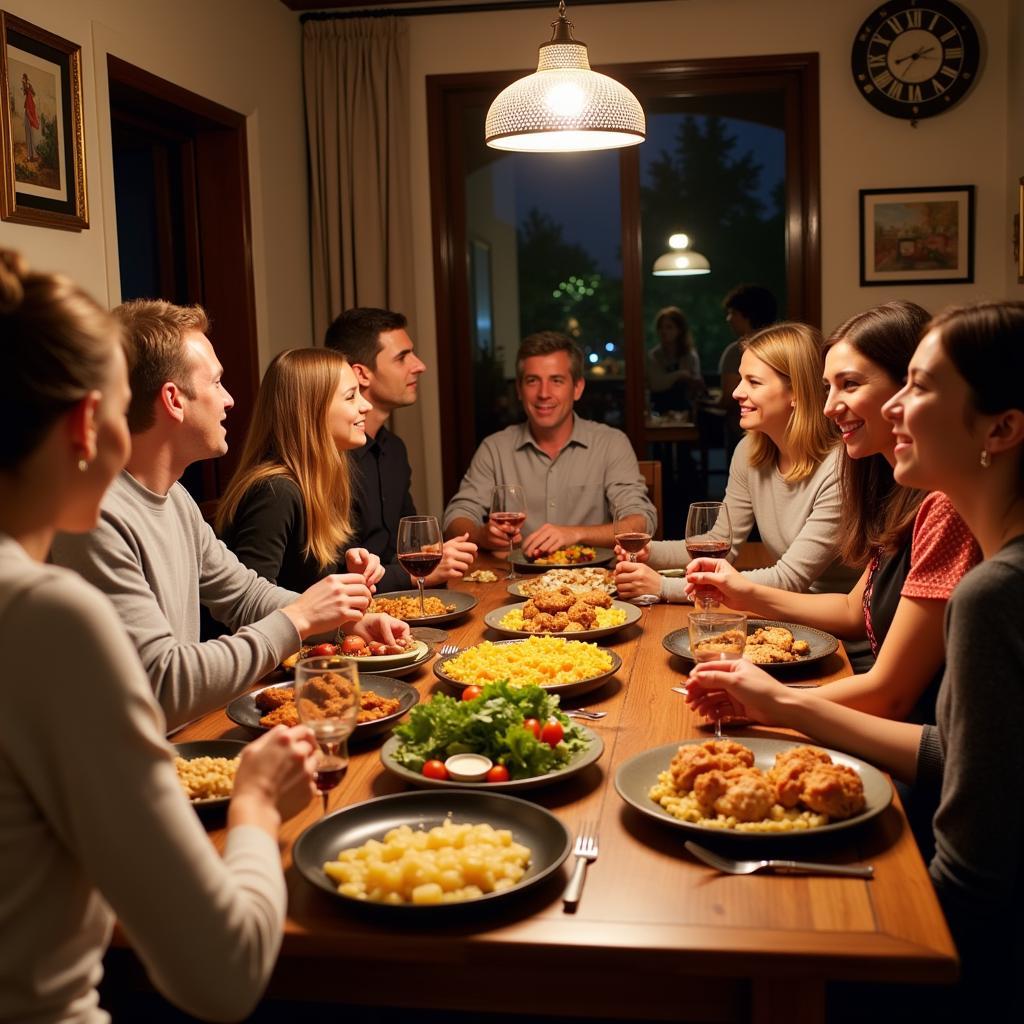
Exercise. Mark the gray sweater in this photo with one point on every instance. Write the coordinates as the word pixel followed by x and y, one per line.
pixel 797 523
pixel 93 823
pixel 157 561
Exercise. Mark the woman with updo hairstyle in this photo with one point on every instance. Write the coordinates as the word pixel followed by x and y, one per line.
pixel 286 512
pixel 93 820
pixel 783 476
pixel 673 365
pixel 958 425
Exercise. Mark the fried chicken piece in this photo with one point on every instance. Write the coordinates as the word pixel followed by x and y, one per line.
pixel 530 610
pixel 596 598
pixel 787 774
pixel 559 622
pixel 727 642
pixel 777 636
pixel 374 706
pixel 573 627
pixel 767 654
pixel 742 793
pixel 584 614
pixel 801 648
pixel 554 601
pixel 274 697
pixel 833 789
pixel 696 758
pixel 284 714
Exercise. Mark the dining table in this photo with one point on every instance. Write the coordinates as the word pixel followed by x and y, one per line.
pixel 657 935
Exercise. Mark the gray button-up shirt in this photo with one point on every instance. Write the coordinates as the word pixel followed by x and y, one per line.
pixel 593 479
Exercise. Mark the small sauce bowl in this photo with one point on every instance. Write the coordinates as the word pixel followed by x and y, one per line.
pixel 468 767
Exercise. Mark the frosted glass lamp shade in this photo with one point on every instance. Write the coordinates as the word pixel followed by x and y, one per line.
pixel 681 263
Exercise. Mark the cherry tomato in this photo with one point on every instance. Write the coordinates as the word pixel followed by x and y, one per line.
pixel 471 692
pixel 323 651
pixel 435 770
pixel 552 732
pixel 532 725
pixel 499 773
pixel 353 645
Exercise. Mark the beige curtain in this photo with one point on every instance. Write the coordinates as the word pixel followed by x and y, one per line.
pixel 356 82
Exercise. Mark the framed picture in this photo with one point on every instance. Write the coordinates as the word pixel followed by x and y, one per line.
pixel 42 140
pixel 917 235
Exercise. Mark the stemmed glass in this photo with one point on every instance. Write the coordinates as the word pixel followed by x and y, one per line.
pixel 508 510
pixel 327 699
pixel 629 538
pixel 419 549
pixel 708 535
pixel 717 636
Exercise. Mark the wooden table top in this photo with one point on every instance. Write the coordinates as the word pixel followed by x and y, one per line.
pixel 659 935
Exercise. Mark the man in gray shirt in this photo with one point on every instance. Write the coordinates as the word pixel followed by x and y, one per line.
pixel 158 560
pixel 579 476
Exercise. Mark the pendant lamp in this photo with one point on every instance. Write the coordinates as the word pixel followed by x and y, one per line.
pixel 564 107
pixel 681 260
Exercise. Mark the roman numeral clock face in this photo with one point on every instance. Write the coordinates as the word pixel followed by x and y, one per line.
pixel 915 59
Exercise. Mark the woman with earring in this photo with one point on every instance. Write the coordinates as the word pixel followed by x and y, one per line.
pixel 93 820
pixel 959 429
pixel 915 546
pixel 783 475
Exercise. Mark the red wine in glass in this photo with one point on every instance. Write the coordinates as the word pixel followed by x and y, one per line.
pixel 708 535
pixel 328 775
pixel 420 563
pixel 632 542
pixel 419 549
pixel 707 549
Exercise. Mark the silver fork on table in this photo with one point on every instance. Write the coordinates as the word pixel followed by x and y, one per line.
pixel 584 851
pixel 802 867
pixel 446 650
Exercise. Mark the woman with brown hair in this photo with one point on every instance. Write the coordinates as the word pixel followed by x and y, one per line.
pixel 915 545
pixel 673 365
pixel 286 511
pixel 93 820
pixel 783 475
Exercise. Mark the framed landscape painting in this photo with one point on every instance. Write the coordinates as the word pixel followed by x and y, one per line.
pixel 42 140
pixel 917 235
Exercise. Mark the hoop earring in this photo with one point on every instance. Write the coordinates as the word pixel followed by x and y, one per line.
pixel 986 459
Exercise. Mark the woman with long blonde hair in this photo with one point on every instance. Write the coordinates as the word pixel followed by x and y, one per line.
pixel 286 511
pixel 783 476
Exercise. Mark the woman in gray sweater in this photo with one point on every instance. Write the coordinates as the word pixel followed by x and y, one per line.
pixel 93 820
pixel 959 427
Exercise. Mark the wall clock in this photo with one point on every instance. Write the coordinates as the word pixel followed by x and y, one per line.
pixel 915 58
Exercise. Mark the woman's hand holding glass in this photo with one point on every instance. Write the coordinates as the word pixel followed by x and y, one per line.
pixel 719 580
pixel 634 578
pixel 274 771
pixel 739 689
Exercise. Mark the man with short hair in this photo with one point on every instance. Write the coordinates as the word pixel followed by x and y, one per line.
pixel 380 351
pixel 158 560
pixel 579 476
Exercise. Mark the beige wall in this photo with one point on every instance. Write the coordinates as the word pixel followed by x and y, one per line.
pixel 860 148
pixel 244 54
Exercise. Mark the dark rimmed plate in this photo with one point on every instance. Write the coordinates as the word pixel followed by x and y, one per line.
pixel 515 588
pixel 243 711
pixel 562 689
pixel 822 644
pixel 602 556
pixel 577 764
pixel 533 826
pixel 635 777
pixel 463 603
pixel 493 620
pixel 209 748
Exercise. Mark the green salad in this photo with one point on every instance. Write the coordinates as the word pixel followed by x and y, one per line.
pixel 492 724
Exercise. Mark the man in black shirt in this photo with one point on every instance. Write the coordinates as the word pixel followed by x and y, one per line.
pixel 379 349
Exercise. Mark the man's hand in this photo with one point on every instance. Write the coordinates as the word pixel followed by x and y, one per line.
pixel 385 629
pixel 634 578
pixel 368 565
pixel 327 604
pixel 550 538
pixel 459 554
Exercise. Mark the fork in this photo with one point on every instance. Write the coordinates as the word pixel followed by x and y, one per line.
pixel 591 716
pixel 446 650
pixel 748 867
pixel 584 851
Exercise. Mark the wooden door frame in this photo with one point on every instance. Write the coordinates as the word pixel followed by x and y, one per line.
pixel 795 74
pixel 218 149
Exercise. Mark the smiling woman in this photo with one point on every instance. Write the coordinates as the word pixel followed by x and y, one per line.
pixel 286 511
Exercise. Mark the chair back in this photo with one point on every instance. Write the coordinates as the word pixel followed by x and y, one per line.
pixel 650 470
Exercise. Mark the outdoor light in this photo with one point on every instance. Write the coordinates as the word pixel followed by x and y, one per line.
pixel 564 107
pixel 681 260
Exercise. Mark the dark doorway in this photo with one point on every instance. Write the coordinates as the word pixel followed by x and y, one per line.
pixel 181 184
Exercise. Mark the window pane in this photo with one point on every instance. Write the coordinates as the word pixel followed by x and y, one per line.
pixel 545 253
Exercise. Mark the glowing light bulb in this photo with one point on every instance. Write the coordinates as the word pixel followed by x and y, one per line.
pixel 565 99
pixel 679 241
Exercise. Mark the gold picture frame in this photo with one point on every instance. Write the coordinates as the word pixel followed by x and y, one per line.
pixel 42 135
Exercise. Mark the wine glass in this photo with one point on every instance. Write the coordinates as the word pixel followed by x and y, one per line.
pixel 631 539
pixel 717 636
pixel 327 699
pixel 419 549
pixel 508 510
pixel 708 535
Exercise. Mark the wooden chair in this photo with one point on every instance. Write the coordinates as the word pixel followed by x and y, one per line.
pixel 651 472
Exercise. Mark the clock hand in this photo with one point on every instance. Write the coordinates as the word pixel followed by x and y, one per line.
pixel 914 56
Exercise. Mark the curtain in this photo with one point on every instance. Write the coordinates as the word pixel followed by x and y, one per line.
pixel 356 82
